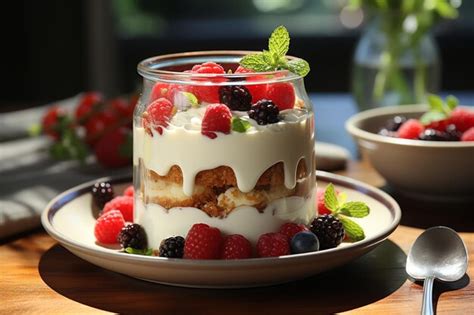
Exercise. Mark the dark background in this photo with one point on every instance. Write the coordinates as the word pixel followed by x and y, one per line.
pixel 55 49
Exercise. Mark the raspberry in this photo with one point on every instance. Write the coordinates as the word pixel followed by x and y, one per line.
pixel 394 123
pixel 129 191
pixel 329 231
pixel 102 192
pixel 463 118
pixel 172 247
pixel 50 121
pixel 217 118
pixel 159 90
pixel 108 226
pixel 439 125
pixel 85 108
pixel 98 125
pixel 264 112
pixel 122 203
pixel 273 245
pixel 236 97
pixel 411 129
pixel 202 242
pixel 236 247
pixel 134 236
pixel 111 150
pixel 290 229
pixel 159 114
pixel 122 107
pixel 209 94
pixel 468 135
pixel 258 91
pixel 282 94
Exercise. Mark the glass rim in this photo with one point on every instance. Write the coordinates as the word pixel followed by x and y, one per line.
pixel 153 69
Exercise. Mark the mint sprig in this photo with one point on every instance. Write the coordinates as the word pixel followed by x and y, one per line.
pixel 343 210
pixel 146 252
pixel 275 57
pixel 439 109
pixel 240 125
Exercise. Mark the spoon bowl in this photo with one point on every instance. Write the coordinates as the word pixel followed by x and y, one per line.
pixel 438 253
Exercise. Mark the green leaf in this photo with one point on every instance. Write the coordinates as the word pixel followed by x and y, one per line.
pixel 452 101
pixel 268 57
pixel 330 198
pixel 146 252
pixel 192 99
pixel 298 66
pixel 446 10
pixel 353 230
pixel 436 103
pixel 255 62
pixel 356 209
pixel 429 117
pixel 240 125
pixel 279 41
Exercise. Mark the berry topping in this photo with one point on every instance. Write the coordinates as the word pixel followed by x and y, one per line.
pixel 85 108
pixel 202 242
pixel 258 91
pixel 273 245
pixel 236 247
pixel 411 129
pixel 329 231
pixel 129 191
pixel 172 247
pixel 50 121
pixel 468 135
pixel 122 203
pixel 114 148
pixel 134 236
pixel 264 112
pixel 394 123
pixel 217 118
pixel 98 125
pixel 290 229
pixel 304 242
pixel 453 133
pixel 159 90
pixel 463 118
pixel 159 114
pixel 108 226
pixel 102 192
pixel 236 97
pixel 439 125
pixel 282 94
pixel 433 135
pixel 209 94
pixel 322 209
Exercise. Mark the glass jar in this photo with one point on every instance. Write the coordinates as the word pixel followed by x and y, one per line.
pixel 394 66
pixel 196 161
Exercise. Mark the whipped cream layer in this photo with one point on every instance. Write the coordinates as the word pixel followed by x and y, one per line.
pixel 160 223
pixel 249 154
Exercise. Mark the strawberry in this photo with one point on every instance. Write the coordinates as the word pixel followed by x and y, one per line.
pixel 290 229
pixel 411 129
pixel 202 242
pixel 236 247
pixel 462 118
pixel 50 121
pixel 114 148
pixel 273 245
pixel 108 226
pixel 124 204
pixel 85 108
pixel 217 118
pixel 159 113
pixel 258 91
pixel 468 135
pixel 209 94
pixel 129 191
pixel 282 94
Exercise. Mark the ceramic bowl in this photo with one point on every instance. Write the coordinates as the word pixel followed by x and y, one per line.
pixel 433 169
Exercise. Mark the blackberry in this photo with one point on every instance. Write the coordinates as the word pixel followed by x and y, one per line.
pixel 264 112
pixel 172 247
pixel 453 134
pixel 134 236
pixel 236 97
pixel 329 231
pixel 394 123
pixel 433 135
pixel 102 192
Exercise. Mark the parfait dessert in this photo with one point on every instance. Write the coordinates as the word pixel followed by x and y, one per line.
pixel 219 142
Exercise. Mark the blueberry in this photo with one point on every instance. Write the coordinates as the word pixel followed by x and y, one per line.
pixel 304 242
pixel 394 123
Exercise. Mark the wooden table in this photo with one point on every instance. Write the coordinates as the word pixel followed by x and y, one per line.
pixel 39 276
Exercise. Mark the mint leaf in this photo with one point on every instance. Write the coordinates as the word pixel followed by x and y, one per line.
pixel 240 125
pixel 356 209
pixel 298 66
pixel 429 117
pixel 353 230
pixel 452 101
pixel 255 62
pixel 330 198
pixel 279 41
pixel 268 57
pixel 146 252
pixel 436 103
pixel 192 99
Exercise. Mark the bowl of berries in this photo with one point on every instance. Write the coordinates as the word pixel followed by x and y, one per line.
pixel 420 150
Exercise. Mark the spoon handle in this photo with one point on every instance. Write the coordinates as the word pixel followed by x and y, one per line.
pixel 427 307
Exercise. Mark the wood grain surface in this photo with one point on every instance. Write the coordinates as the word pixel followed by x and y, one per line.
pixel 38 276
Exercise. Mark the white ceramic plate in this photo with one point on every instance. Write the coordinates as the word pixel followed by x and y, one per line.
pixel 68 218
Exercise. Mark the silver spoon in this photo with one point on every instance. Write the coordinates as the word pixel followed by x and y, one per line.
pixel 438 253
